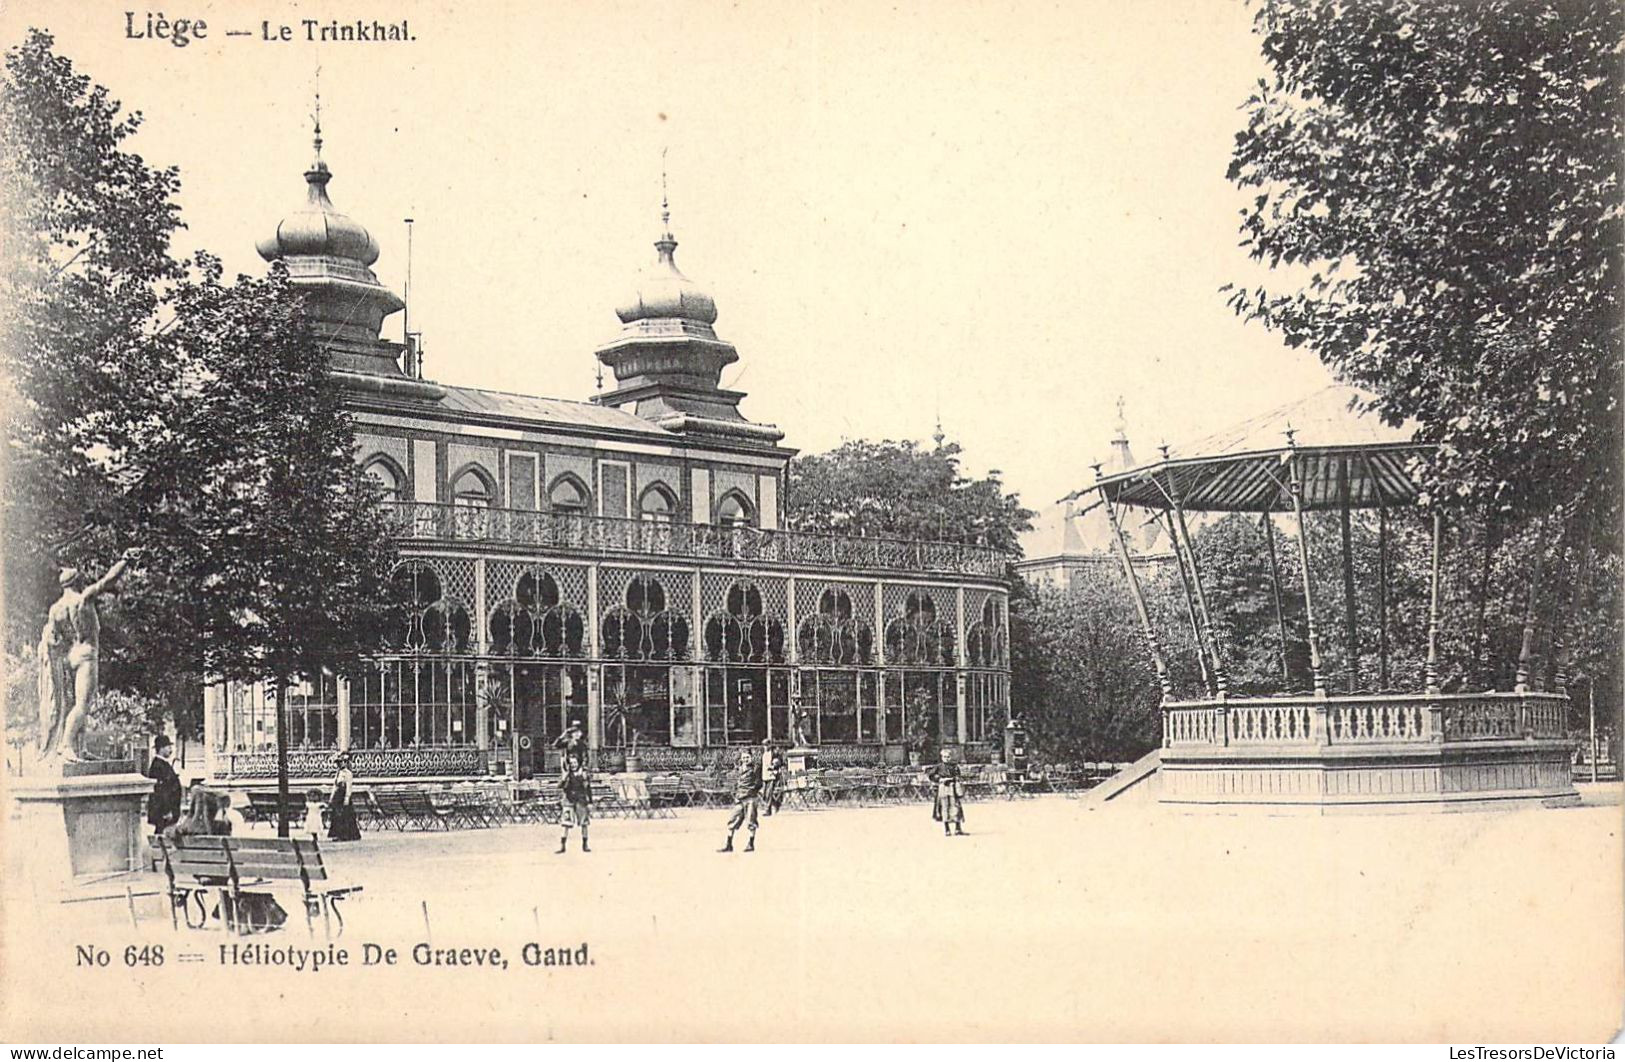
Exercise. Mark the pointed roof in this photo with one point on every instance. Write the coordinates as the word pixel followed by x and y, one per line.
pixel 1341 453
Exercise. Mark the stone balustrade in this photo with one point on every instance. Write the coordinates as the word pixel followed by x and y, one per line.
pixel 1365 719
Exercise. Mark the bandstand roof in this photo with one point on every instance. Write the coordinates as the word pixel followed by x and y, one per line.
pixel 1246 468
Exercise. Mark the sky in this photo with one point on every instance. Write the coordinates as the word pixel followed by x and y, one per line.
pixel 1003 215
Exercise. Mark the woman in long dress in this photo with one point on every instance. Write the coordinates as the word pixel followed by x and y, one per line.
pixel 341 822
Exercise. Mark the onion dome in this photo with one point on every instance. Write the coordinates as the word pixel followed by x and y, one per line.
pixel 319 229
pixel 664 292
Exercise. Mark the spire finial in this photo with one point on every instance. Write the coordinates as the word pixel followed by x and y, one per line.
pixel 316 118
pixel 1122 422
pixel 665 205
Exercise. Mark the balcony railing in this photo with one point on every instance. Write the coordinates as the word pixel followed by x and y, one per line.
pixel 439 522
pixel 1368 719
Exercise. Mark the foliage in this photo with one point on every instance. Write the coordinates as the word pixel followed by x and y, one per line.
pixel 86 227
pixel 1086 687
pixel 1443 178
pixel 901 490
pixel 158 406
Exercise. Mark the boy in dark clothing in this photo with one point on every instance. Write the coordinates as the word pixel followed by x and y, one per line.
pixel 747 798
pixel 950 803
pixel 577 800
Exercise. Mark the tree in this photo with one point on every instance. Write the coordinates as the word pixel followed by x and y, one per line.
pixel 87 228
pixel 291 545
pixel 1442 177
pixel 1089 689
pixel 158 406
pixel 901 490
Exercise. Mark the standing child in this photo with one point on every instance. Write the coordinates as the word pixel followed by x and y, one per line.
pixel 747 797
pixel 577 802
pixel 950 803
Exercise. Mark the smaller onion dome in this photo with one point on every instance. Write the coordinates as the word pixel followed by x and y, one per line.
pixel 319 229
pixel 664 292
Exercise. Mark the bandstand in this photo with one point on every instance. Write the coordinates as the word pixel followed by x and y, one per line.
pixel 1322 749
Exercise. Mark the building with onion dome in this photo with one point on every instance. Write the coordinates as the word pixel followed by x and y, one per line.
pixel 619 561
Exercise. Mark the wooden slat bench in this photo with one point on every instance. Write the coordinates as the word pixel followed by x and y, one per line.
pixel 262 807
pixel 194 865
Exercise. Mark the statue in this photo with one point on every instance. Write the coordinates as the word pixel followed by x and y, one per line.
pixel 798 724
pixel 69 656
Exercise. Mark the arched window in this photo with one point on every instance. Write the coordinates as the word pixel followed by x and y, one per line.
pixel 743 634
pixel 918 637
pixel 421 618
pixel 568 495
pixel 643 628
pixel 735 510
pixel 536 622
pixel 657 505
pixel 472 489
pixel 382 471
pixel 834 635
pixel 987 641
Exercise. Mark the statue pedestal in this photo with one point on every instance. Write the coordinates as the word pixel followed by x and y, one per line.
pixel 87 822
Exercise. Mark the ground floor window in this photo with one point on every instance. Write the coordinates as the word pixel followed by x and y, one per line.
pixel 984 705
pixel 922 708
pixel 311 708
pixel 638 702
pixel 531 705
pixel 411 703
pixel 842 705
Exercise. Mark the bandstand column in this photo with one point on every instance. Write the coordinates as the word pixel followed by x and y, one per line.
pixel 1296 490
pixel 1220 686
pixel 1564 649
pixel 1275 587
pixel 1351 622
pixel 1163 679
pixel 1526 651
pixel 1431 669
pixel 1190 602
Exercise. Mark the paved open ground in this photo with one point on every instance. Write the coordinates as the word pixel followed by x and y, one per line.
pixel 1051 920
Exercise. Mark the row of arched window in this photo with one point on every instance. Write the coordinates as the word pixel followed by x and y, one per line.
pixel 472 488
pixel 644 626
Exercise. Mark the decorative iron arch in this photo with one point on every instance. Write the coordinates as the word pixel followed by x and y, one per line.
pixel 918 637
pixel 422 618
pixel 742 632
pixel 987 643
pixel 644 628
pixel 536 621
pixel 833 634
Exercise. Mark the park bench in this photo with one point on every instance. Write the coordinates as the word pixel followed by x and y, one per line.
pixel 236 867
pixel 263 806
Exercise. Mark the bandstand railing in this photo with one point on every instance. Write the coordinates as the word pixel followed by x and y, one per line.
pixel 1364 719
pixel 439 522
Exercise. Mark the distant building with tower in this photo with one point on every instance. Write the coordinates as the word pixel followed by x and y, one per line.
pixel 1072 539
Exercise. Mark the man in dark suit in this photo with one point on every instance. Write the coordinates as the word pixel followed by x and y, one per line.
pixel 164 806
